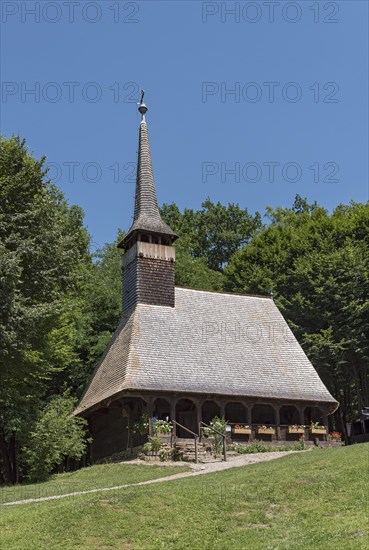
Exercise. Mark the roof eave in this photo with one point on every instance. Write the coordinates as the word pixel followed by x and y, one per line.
pixel 332 403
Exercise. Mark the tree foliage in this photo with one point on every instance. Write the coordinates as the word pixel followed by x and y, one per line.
pixel 100 312
pixel 213 233
pixel 57 435
pixel 317 266
pixel 44 263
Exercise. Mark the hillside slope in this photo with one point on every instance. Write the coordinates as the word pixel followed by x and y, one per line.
pixel 313 500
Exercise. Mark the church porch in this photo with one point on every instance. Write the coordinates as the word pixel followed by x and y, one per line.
pixel 273 422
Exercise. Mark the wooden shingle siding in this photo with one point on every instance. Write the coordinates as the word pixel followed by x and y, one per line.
pixel 209 343
pixel 155 282
pixel 147 216
pixel 148 281
pixel 148 275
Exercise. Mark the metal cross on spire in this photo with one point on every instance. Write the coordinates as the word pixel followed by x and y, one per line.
pixel 142 107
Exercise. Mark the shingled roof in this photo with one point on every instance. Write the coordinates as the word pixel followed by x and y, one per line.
pixel 209 343
pixel 147 216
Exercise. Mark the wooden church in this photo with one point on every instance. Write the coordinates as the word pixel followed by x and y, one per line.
pixel 189 355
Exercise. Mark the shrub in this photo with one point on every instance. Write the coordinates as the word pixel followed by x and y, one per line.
pixel 57 435
pixel 218 424
pixel 166 454
pixel 153 445
pixel 141 426
pixel 261 447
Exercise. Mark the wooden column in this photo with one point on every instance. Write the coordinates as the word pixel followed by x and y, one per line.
pixel 198 404
pixel 248 414
pixel 172 413
pixel 325 420
pixel 150 412
pixel 277 421
pixel 302 419
pixel 249 420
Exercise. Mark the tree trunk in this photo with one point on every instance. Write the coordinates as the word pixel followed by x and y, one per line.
pixel 5 456
pixel 13 457
pixel 8 452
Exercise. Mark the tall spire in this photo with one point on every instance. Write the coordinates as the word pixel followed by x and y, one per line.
pixel 147 218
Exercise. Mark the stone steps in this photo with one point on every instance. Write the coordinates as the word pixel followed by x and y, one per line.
pixel 186 448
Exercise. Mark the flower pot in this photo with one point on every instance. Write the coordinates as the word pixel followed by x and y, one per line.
pixel 241 431
pixel 320 431
pixel 266 431
pixel 296 430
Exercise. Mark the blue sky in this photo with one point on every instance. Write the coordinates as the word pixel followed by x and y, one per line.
pixel 296 121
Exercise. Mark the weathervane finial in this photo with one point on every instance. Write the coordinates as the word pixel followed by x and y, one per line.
pixel 142 107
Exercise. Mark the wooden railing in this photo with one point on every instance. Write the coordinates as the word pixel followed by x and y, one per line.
pixel 196 437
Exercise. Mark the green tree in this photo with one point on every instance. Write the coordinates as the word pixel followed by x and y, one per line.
pixel 100 314
pixel 44 263
pixel 56 437
pixel 317 266
pixel 194 272
pixel 213 233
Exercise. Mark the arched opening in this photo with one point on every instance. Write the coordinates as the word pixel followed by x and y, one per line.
pixel 161 409
pixel 313 414
pixel 186 414
pixel 263 414
pixel 236 412
pixel 133 408
pixel 209 410
pixel 289 415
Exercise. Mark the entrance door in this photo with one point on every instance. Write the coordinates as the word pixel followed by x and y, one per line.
pixel 186 415
pixel 187 419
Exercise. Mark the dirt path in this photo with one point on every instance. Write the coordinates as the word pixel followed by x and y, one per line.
pixel 196 469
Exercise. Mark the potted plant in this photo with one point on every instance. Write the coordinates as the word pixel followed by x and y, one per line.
pixel 296 429
pixel 162 428
pixel 316 428
pixel 266 430
pixel 335 436
pixel 241 429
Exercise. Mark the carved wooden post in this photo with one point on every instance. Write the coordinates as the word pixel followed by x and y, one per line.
pixel 249 420
pixel 199 416
pixel 277 421
pixel 173 417
pixel 302 420
pixel 150 412
pixel 325 421
pixel 248 414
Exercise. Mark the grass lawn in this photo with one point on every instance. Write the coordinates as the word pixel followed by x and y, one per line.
pixel 92 477
pixel 314 500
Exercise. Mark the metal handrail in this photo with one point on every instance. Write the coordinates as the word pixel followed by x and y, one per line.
pixel 218 432
pixel 196 436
